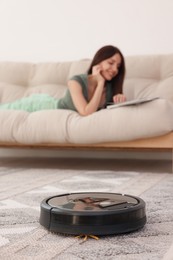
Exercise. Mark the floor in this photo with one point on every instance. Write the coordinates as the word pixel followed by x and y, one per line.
pixel 26 181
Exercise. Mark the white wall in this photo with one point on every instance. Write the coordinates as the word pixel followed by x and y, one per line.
pixel 54 30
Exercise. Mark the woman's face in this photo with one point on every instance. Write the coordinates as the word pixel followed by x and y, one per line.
pixel 110 67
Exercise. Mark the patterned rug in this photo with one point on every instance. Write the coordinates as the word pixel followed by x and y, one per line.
pixel 22 237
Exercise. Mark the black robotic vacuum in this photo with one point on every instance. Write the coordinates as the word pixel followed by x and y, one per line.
pixel 94 213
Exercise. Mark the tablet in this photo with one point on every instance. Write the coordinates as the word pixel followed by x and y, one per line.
pixel 131 102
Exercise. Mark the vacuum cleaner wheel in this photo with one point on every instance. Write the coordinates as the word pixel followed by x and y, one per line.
pixel 92 213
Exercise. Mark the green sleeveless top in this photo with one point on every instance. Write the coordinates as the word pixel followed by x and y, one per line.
pixel 67 103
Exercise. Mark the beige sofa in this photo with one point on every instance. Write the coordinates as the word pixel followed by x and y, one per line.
pixel 145 126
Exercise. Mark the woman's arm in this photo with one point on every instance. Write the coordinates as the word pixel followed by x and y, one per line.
pixel 83 107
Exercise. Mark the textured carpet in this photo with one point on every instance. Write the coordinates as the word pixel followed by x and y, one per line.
pixel 22 237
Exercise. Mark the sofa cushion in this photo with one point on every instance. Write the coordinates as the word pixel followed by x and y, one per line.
pixel 11 92
pixel 54 90
pixel 79 67
pixel 17 73
pixel 9 121
pixel 149 76
pixel 49 73
pixel 46 126
pixel 108 125
pixel 122 124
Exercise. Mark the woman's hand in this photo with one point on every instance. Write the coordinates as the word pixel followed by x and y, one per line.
pixel 96 72
pixel 119 98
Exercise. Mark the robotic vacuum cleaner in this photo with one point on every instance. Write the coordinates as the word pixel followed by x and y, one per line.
pixel 92 213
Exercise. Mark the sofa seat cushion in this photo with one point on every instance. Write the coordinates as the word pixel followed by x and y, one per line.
pixel 46 126
pixel 108 125
pixel 123 123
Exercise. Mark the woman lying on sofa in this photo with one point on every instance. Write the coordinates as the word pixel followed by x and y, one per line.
pixel 86 93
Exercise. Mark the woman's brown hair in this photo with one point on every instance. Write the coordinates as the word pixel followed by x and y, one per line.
pixel 107 52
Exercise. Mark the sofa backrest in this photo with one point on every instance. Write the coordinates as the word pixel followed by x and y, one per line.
pixel 146 76
pixel 149 75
